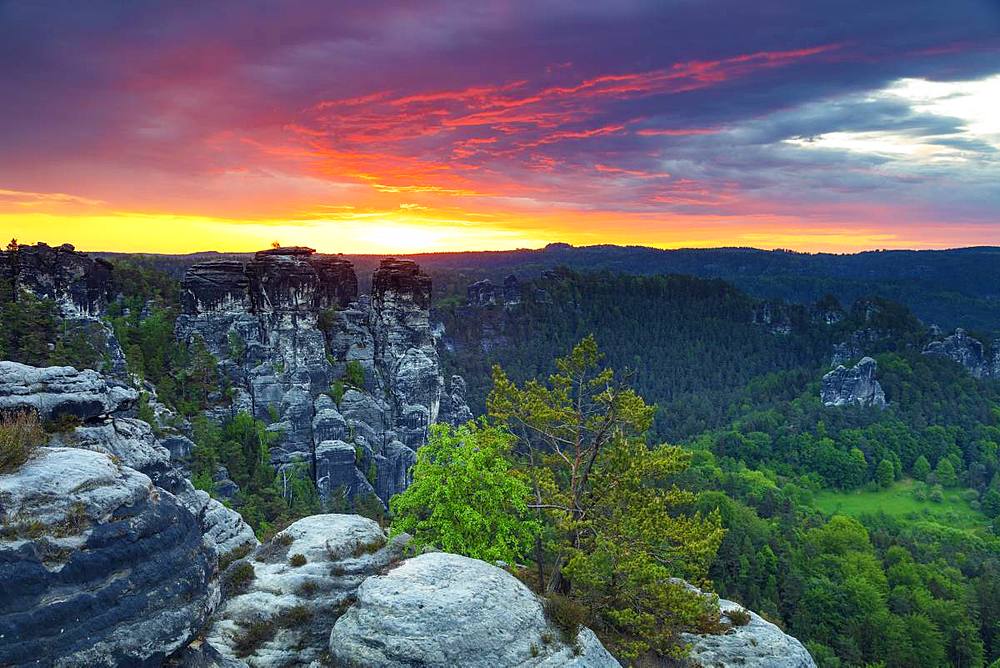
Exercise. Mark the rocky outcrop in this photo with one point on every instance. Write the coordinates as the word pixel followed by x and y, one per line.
pixel 856 386
pixel 446 610
pixel 332 373
pixel 486 293
pixel 80 286
pixel 756 644
pixel 98 567
pixel 101 407
pixel 293 588
pixel 57 391
pixel 968 352
pixel 779 318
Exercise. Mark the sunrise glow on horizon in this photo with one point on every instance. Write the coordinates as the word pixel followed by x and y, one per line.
pixel 390 129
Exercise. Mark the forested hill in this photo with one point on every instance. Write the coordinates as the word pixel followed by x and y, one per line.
pixel 868 531
pixel 952 288
pixel 691 344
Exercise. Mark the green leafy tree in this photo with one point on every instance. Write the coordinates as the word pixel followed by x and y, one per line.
pixel 921 468
pixel 466 497
pixel 945 473
pixel 885 474
pixel 615 532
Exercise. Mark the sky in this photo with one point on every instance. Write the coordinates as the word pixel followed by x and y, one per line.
pixel 393 127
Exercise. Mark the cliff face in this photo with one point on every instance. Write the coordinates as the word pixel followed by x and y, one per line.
pixel 853 387
pixel 351 383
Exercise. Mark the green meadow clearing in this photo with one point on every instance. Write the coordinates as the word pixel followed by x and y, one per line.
pixel 899 501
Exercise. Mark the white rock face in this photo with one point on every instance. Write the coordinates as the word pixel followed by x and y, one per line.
pixel 340 551
pixel 61 390
pixel 853 387
pixel 759 644
pixel 98 567
pixel 442 609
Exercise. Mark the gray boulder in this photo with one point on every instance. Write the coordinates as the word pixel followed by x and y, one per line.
pixel 56 391
pixel 758 644
pixel 97 566
pixel 297 602
pixel 442 610
pixel 853 387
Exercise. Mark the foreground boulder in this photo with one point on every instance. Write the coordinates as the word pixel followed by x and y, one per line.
pixel 98 567
pixel 100 406
pixel 283 599
pixel 853 387
pixel 756 644
pixel 446 610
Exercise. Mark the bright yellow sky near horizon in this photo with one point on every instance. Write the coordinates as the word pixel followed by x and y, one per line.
pixel 406 233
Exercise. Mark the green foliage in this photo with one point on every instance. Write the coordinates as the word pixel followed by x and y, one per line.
pixel 242 445
pixel 738 616
pixel 337 391
pixel 944 473
pixel 20 434
pixel 616 529
pixel 354 374
pixel 566 615
pixel 921 468
pixel 885 474
pixel 465 497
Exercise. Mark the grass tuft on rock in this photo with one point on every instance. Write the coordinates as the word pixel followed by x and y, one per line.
pixel 566 615
pixel 21 434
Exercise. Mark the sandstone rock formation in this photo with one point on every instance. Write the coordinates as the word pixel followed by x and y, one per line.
pixel 757 644
pixel 855 386
pixel 101 407
pixel 301 582
pixel 79 285
pixel 98 567
pixel 446 610
pixel 57 391
pixel 969 352
pixel 487 293
pixel 289 327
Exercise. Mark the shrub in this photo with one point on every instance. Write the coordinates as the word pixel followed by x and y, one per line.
pixel 337 391
pixel 252 637
pixel 937 494
pixel 237 578
pixel 297 560
pixel 234 555
pixel 307 589
pixel 738 616
pixel 20 434
pixel 298 615
pixel 354 374
pixel 566 615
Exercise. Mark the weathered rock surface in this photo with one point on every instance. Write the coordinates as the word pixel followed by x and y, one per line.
pixel 446 610
pixel 969 352
pixel 855 386
pixel 299 604
pixel 758 644
pixel 285 326
pixel 56 391
pixel 100 404
pixel 98 567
